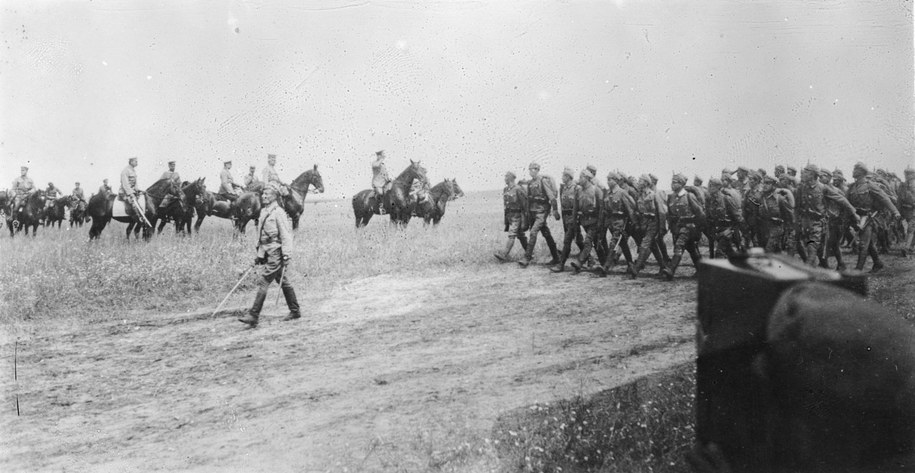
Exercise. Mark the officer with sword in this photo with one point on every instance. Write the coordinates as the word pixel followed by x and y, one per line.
pixel 130 191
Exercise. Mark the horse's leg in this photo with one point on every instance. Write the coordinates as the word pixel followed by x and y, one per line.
pixel 198 223
pixel 161 226
pixel 129 229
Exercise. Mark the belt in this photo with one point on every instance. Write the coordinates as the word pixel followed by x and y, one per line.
pixel 649 215
pixel 777 220
pixel 618 214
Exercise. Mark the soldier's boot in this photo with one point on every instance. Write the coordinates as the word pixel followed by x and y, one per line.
pixel 669 271
pixel 611 261
pixel 251 318
pixel 635 269
pixel 862 258
pixel 503 256
pixel 554 252
pixel 878 265
pixel 562 262
pixel 292 302
pixel 576 266
pixel 522 239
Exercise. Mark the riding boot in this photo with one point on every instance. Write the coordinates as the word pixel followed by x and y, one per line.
pixel 253 314
pixel 292 302
pixel 640 263
pixel 875 256
pixel 862 258
pixel 669 271
pixel 522 238
pixel 562 262
pixel 554 252
pixel 503 256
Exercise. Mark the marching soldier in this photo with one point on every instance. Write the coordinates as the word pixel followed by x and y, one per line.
pixel 651 219
pixel 600 245
pixel 227 186
pixel 812 197
pixel 172 176
pixel 515 200
pixel 571 230
pixel 274 242
pixel 752 225
pixel 835 221
pixel 724 218
pixel 787 188
pixel 251 180
pixel 129 188
pixel 868 199
pixel 907 209
pixel 271 177
pixel 541 198
pixel 588 206
pixel 22 187
pixel 619 211
pixel 685 216
pixel 777 210
pixel 742 184
pixel 662 230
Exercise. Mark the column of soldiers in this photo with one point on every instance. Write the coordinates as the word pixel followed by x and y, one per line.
pixel 809 216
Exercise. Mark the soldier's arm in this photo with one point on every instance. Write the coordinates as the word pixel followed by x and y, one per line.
pixel 282 228
pixel 125 182
pixel 833 194
pixel 884 199
pixel 734 209
pixel 522 199
pixel 697 209
pixel 629 206
pixel 575 206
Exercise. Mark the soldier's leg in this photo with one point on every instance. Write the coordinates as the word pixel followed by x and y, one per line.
pixel 550 243
pixel 590 237
pixel 910 234
pixel 865 246
pixel 680 240
pixel 539 220
pixel 835 232
pixel 291 300
pixel 514 231
pixel 522 239
pixel 647 247
pixel 569 234
pixel 662 248
pixel 774 238
pixel 251 318
pixel 811 241
pixel 692 246
pixel 579 241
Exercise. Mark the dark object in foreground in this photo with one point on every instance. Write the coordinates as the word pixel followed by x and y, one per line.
pixel 797 373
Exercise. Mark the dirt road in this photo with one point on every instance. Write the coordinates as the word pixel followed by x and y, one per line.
pixel 394 372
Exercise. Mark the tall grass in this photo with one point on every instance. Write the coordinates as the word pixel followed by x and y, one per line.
pixel 60 273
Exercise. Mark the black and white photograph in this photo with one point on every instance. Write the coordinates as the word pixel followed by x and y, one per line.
pixel 576 236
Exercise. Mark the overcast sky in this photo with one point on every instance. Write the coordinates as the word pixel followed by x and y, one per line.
pixel 470 88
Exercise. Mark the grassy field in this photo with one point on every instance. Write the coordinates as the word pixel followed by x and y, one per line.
pixel 416 352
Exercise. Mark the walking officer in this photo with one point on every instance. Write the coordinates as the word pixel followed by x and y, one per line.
pixel 571 230
pixel 619 213
pixel 541 197
pixel 515 200
pixel 686 216
pixel 274 243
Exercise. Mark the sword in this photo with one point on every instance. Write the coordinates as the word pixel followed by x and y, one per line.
pixel 142 215
pixel 233 290
pixel 282 275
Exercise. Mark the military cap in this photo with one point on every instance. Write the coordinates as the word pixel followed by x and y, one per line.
pixel 788 178
pixel 50 184
pixel 909 173
pixel 837 174
pixel 377 153
pixel 861 166
pixel 271 156
pixel 791 170
pixel 171 162
pixel 825 173
pixel 568 172
pixel 227 162
pixel 754 175
pixel 770 180
pixel 812 168
pixel 271 189
pixel 592 168
pixel 761 171
pixel 742 168
pixel 697 180
pixel 881 172
pixel 587 173
pixel 252 167
pixel 615 176
pixel 510 175
pixel 654 179
pixel 779 169
pixel 24 168
pixel 132 158
pixel 679 178
pixel 715 182
pixel 727 171
pixel 77 183
pixel 534 165
pixel 646 178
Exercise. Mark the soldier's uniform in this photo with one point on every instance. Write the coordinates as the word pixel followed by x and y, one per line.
pixel 22 187
pixel 587 211
pixel 78 194
pixel 251 179
pixel 600 245
pixel 129 189
pixel 541 199
pixel 662 230
pixel 571 229
pixel 619 211
pixel 907 209
pixel 172 176
pixel 725 217
pixel 271 177
pixel 274 242
pixel 51 194
pixel 787 187
pixel 104 189
pixel 514 199
pixel 752 226
pixel 836 217
pixel 685 216
pixel 651 218
pixel 868 199
pixel 777 210
pixel 227 184
pixel 812 217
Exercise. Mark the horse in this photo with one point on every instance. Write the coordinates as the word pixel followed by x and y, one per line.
pixel 5 200
pixel 57 211
pixel 78 214
pixel 294 202
pixel 433 208
pixel 181 212
pixel 247 207
pixel 101 209
pixel 30 215
pixel 395 200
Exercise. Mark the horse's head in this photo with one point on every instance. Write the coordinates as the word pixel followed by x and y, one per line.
pixel 311 177
pixel 457 190
pixel 417 171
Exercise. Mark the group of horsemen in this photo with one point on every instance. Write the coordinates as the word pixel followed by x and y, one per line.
pixel 809 216
pixel 229 190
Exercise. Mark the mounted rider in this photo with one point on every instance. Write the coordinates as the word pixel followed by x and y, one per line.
pixel 271 177
pixel 22 187
pixel 173 176
pixel 77 194
pixel 104 189
pixel 51 194
pixel 251 179
pixel 129 188
pixel 227 185
pixel 381 180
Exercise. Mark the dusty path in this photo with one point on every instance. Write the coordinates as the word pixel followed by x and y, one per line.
pixel 402 372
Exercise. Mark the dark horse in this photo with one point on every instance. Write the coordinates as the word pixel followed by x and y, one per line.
pixel 77 211
pixel 183 214
pixel 101 205
pixel 29 216
pixel 5 200
pixel 57 212
pixel 294 203
pixel 396 199
pixel 433 208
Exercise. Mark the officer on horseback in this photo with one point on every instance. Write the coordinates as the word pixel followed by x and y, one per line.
pixel 271 176
pixel 227 186
pixel 51 194
pixel 129 188
pixel 104 189
pixel 173 176
pixel 251 179
pixel 380 179
pixel 22 187
pixel 78 194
